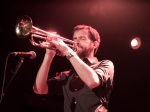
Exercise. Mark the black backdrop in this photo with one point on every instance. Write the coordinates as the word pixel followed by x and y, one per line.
pixel 117 21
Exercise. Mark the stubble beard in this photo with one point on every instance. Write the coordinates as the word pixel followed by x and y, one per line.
pixel 84 52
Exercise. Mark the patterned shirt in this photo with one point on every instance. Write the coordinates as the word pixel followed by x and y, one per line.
pixel 78 97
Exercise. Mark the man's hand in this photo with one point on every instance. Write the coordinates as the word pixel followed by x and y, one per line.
pixel 62 48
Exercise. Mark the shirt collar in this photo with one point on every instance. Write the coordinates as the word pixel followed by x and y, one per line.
pixel 86 60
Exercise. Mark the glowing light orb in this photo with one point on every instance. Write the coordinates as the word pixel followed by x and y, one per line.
pixel 135 43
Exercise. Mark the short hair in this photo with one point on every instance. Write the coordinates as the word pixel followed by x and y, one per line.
pixel 93 33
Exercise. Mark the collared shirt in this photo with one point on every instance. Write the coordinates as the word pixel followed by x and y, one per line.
pixel 78 97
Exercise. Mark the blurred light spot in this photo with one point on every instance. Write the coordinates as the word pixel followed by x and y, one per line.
pixel 101 10
pixel 135 43
pixel 94 10
pixel 17 30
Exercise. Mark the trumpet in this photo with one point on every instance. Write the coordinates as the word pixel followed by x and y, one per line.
pixel 24 28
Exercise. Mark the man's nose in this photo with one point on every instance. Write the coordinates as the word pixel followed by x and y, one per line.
pixel 77 40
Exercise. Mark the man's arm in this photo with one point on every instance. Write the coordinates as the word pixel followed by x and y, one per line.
pixel 40 85
pixel 86 73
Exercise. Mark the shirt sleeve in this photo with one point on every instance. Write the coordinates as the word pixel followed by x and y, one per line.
pixel 105 71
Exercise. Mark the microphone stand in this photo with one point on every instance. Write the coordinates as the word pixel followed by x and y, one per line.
pixel 14 72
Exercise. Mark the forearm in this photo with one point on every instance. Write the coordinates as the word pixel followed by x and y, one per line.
pixel 40 86
pixel 86 73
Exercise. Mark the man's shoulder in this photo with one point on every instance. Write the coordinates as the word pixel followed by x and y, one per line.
pixel 106 62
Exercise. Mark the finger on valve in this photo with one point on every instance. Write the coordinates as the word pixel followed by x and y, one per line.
pixel 47 45
pixel 50 38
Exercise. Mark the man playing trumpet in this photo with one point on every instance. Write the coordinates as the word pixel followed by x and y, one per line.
pixel 88 84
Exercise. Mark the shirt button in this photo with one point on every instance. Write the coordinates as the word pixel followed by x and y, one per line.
pixel 76 89
pixel 75 102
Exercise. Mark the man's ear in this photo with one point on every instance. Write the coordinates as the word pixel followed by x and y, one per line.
pixel 95 44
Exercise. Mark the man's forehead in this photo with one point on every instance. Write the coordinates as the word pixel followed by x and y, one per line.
pixel 83 32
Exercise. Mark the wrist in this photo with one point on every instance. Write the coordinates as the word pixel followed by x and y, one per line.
pixel 70 54
pixel 50 52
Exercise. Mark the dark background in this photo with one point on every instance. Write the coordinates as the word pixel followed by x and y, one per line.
pixel 118 22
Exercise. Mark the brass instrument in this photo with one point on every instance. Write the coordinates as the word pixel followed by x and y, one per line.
pixel 24 28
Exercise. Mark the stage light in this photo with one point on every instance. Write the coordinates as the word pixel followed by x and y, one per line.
pixel 135 43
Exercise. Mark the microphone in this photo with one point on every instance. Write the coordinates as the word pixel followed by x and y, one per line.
pixel 30 54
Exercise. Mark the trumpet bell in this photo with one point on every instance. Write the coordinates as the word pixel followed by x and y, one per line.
pixel 23 26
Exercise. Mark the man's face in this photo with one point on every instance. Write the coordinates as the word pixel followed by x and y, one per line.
pixel 85 47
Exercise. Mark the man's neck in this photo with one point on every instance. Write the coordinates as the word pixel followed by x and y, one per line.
pixel 92 59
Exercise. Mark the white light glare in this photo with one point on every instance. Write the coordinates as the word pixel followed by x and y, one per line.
pixel 135 43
